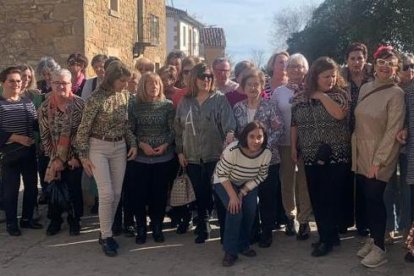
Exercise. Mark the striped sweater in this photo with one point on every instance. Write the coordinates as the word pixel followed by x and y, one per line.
pixel 241 169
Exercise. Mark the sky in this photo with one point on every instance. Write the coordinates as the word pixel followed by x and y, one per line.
pixel 246 23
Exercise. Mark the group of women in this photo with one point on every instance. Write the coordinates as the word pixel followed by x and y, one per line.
pixel 288 138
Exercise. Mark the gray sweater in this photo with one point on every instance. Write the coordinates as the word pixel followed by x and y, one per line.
pixel 201 130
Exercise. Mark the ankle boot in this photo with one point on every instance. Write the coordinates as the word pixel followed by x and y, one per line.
pixel 290 228
pixel 266 239
pixel 203 232
pixel 141 237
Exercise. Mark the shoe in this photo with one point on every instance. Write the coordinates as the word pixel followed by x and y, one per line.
pixel 129 231
pixel 24 223
pixel 182 228
pixel 202 237
pixel 334 243
pixel 364 251
pixel 110 240
pixel 157 234
pixel 203 232
pixel 290 228
pixel 108 246
pixel 249 253
pixel 229 260
pixel 266 239
pixel 13 230
pixel 409 257
pixel 141 237
pixel 363 232
pixel 322 250
pixel 74 228
pixel 375 258
pixel 53 228
pixel 277 226
pixel 304 232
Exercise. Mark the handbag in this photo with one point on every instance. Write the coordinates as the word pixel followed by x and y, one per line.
pixel 182 192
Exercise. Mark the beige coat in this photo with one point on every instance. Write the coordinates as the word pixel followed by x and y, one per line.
pixel 378 119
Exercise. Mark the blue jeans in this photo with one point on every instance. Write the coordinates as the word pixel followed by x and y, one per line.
pixel 238 226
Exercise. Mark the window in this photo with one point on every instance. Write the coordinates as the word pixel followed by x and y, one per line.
pixel 114 7
pixel 184 36
pixel 154 30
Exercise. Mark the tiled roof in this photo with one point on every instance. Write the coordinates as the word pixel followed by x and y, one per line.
pixel 183 15
pixel 213 37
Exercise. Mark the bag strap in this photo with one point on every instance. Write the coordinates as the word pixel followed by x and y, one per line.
pixel 380 88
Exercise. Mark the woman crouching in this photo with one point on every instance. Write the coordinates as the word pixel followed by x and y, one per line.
pixel 242 167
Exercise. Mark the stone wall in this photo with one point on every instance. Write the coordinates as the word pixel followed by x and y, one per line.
pixel 156 53
pixel 108 32
pixel 30 29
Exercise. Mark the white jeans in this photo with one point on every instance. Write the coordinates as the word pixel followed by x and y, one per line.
pixel 109 159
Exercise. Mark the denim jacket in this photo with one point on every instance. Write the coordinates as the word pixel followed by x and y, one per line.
pixel 201 129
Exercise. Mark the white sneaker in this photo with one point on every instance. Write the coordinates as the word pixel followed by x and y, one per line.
pixel 375 258
pixel 364 251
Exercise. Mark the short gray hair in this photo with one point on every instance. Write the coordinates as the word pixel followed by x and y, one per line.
pixel 46 63
pixel 298 58
pixel 61 72
pixel 219 60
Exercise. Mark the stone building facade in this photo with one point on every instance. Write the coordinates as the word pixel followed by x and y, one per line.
pixel 30 29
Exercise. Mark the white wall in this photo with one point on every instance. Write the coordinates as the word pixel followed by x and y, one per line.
pixel 171 34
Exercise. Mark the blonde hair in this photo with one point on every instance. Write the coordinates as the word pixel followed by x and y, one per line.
pixel 142 89
pixel 144 65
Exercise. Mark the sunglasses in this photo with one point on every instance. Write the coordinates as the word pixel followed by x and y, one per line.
pixel 205 76
pixel 74 62
pixel 383 62
pixel 408 66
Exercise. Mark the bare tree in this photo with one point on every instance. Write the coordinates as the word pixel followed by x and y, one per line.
pixel 288 21
pixel 258 57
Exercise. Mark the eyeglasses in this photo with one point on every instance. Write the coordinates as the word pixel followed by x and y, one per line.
pixel 408 66
pixel 205 76
pixel 383 62
pixel 58 83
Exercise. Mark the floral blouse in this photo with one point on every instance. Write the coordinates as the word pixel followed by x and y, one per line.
pixel 105 115
pixel 269 115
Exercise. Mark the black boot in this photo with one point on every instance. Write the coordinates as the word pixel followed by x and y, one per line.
pixel 203 232
pixel 157 234
pixel 266 239
pixel 74 226
pixel 141 237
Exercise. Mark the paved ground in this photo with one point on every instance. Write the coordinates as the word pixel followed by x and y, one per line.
pixel 34 253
